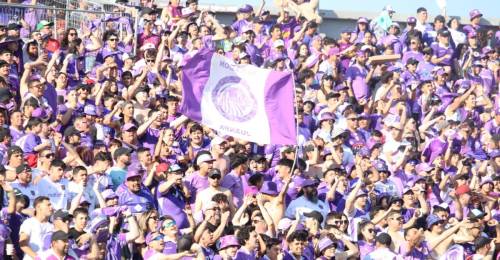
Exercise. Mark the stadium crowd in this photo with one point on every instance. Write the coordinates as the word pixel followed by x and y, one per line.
pixel 396 158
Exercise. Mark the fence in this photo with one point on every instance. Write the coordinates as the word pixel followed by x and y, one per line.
pixel 81 15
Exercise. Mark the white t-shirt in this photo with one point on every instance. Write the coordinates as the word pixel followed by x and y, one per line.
pixel 29 190
pixel 56 192
pixel 36 231
pixel 74 189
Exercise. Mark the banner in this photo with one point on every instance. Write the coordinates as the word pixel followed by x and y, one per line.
pixel 243 101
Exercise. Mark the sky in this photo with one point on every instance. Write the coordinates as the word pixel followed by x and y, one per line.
pixel 490 8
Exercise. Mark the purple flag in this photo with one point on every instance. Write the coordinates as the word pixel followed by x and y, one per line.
pixel 243 101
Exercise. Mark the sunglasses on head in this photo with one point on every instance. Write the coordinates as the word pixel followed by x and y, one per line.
pixel 158 238
pixel 171 223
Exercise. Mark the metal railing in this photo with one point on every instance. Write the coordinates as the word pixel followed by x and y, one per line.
pixel 83 17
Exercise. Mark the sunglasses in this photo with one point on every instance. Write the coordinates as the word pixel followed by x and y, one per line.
pixel 150 60
pixel 215 177
pixel 398 218
pixel 340 222
pixel 169 224
pixel 154 217
pixel 353 119
pixel 113 39
pixel 158 238
pixel 72 34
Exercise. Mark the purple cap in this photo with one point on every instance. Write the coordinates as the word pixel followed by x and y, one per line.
pixel 411 19
pixel 477 63
pixel 372 143
pixel 487 49
pixel 472 34
pixel 431 220
pixel 284 224
pixel 440 71
pixel 245 9
pixel 108 194
pixel 495 153
pixel 326 116
pixel 364 152
pixel 128 127
pixel 39 113
pixel 90 110
pixel 106 53
pixel 363 20
pixel 301 182
pixel 324 243
pixel 133 173
pixel 486 180
pixel 360 53
pixel 423 167
pixel 380 166
pixel 269 188
pixel 475 13
pixel 227 241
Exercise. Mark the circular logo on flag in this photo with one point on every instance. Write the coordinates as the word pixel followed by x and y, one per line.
pixel 233 99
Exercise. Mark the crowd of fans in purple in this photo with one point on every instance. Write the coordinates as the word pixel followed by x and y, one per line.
pixel 395 160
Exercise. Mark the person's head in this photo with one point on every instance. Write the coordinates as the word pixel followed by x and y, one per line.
pixel 395 220
pixel 414 234
pixel 57 170
pixel 111 39
pixel 284 168
pixel 122 156
pixel 43 207
pixel 155 241
pixel 239 164
pixel 422 15
pixel 204 161
pixel 214 177
pixel 36 88
pixel 15 156
pixel 383 240
pixel 59 243
pixel 80 175
pixel 297 242
pixel 134 180
pixel 367 231
pixel 248 238
pixel 80 218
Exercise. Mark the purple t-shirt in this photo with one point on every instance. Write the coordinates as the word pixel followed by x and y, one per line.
pixel 439 51
pixel 234 183
pixel 195 183
pixel 356 74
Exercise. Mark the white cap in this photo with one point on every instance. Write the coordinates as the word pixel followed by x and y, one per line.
pixel 278 43
pixel 389 8
pixel 148 46
pixel 204 158
pixel 217 140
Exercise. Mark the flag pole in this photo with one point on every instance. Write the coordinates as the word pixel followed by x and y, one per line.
pixel 296 126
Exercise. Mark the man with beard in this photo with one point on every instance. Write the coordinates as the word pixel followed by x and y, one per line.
pixel 171 196
pixel 308 201
pixel 58 247
pixel 119 170
pixel 133 194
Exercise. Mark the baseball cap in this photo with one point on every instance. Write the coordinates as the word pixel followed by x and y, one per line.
pixel 381 166
pixel 324 244
pixel 14 26
pixel 59 235
pixel 278 43
pixel 227 241
pixel 475 13
pixel 315 215
pixel 174 168
pixel 214 172
pixel 22 167
pixel 204 158
pixel 90 110
pixel 362 20
pixel 245 9
pixel 432 220
pixel 60 214
pixel 162 167
pixel 108 194
pixel 42 24
pixel 444 32
pixel 153 236
pixel 129 127
pixel 411 19
pixel 133 173
pixel 476 214
pixel 269 188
